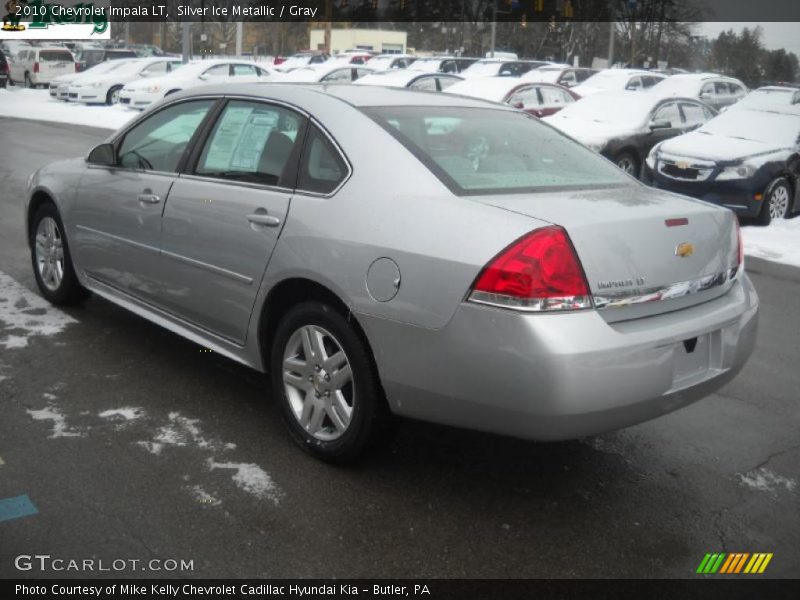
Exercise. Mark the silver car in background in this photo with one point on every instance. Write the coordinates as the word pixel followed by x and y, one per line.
pixel 380 251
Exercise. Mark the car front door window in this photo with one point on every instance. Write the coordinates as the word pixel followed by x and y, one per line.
pixel 668 112
pixel 158 143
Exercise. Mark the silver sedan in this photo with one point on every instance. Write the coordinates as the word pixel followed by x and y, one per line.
pixel 386 252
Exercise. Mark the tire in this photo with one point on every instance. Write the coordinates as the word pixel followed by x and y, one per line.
pixel 112 97
pixel 777 201
pixel 628 162
pixel 58 283
pixel 29 81
pixel 343 416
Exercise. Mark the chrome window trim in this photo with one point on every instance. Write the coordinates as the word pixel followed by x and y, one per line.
pixel 246 184
pixel 672 291
pixel 342 155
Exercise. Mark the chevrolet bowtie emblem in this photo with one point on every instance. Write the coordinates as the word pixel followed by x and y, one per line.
pixel 684 250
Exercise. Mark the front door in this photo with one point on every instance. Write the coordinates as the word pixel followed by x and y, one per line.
pixel 119 208
pixel 225 213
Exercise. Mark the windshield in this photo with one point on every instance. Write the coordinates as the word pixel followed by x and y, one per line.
pixel 382 62
pixel 490 151
pixel 543 74
pixel 105 67
pixel 612 108
pixel 774 96
pixel 425 65
pixel 679 85
pixel 772 128
pixel 55 56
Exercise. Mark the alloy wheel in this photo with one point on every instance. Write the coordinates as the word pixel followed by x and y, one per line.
pixel 318 382
pixel 779 202
pixel 50 253
pixel 626 164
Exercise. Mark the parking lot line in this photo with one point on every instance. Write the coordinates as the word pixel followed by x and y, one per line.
pixel 14 508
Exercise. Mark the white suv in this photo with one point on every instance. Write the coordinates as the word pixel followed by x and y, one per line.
pixel 36 66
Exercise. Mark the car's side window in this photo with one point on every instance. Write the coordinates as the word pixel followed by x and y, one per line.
pixel 322 169
pixel 708 88
pixel 635 83
pixel 158 143
pixel 424 83
pixel 361 72
pixel 155 69
pixel 722 88
pixel 525 98
pixel 218 71
pixel 338 75
pixel 568 78
pixel 446 82
pixel 251 142
pixel 695 114
pixel 668 112
pixel 240 70
pixel 554 97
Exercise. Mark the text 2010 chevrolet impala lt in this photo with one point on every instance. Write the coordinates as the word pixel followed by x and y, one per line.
pixel 382 251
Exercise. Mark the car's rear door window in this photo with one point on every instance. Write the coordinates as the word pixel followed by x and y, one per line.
pixel 251 142
pixel 695 114
pixel 322 168
pixel 158 143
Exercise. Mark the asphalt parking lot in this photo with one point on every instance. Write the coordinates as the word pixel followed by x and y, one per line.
pixel 133 443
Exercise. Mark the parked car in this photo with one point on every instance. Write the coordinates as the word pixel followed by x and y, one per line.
pixel 488 67
pixel 383 251
pixel 89 57
pixel 715 90
pixel 302 59
pixel 442 64
pixel 3 70
pixel 106 87
pixel 562 75
pixel 612 80
pixel 59 87
pixel 330 72
pixel 35 66
pixel 142 93
pixel 386 62
pixel 772 97
pixel 352 58
pixel 747 160
pixel 623 127
pixel 538 99
pixel 416 80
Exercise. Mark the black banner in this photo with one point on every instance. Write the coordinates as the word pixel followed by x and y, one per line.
pixel 744 587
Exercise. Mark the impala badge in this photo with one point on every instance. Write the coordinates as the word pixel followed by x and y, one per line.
pixel 684 250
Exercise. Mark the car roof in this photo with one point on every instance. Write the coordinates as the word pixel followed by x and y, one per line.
pixel 306 95
pixel 494 88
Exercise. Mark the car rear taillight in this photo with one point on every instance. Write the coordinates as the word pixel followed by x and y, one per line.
pixel 539 272
pixel 740 249
pixel 36 67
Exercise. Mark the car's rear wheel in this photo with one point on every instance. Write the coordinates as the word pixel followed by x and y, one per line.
pixel 323 376
pixel 628 162
pixel 112 97
pixel 52 263
pixel 777 201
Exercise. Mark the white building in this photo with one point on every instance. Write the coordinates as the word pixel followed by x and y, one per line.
pixel 374 40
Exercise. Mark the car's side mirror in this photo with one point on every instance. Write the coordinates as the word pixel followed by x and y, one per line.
pixel 103 154
pixel 660 124
pixel 203 77
pixel 518 105
pixel 705 95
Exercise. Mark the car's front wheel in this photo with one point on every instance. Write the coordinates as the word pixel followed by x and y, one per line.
pixel 628 163
pixel 777 201
pixel 112 97
pixel 323 377
pixel 52 264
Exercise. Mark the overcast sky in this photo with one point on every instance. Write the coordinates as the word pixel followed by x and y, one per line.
pixel 776 35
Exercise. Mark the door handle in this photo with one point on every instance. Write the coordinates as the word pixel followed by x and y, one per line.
pixel 264 219
pixel 148 198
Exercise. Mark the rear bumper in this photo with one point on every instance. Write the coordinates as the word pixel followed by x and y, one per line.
pixel 562 376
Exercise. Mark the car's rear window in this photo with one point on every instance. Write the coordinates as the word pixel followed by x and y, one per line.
pixel 55 56
pixel 485 151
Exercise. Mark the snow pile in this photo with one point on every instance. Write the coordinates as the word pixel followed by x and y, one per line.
pixel 251 478
pixel 23 103
pixel 23 314
pixel 764 480
pixel 780 242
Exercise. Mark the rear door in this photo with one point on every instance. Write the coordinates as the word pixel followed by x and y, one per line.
pixel 53 63
pixel 225 213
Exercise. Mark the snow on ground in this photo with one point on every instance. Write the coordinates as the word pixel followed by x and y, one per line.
pixel 23 103
pixel 52 413
pixel 764 480
pixel 24 314
pixel 251 478
pixel 779 242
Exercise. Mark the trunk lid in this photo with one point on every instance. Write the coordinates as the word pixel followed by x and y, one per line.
pixel 644 251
